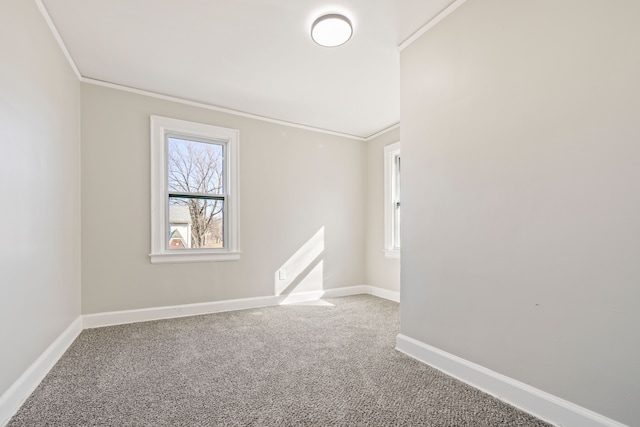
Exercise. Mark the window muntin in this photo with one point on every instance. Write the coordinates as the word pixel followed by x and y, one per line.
pixel 194 192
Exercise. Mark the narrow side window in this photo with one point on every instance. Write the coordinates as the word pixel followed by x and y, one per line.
pixel 392 201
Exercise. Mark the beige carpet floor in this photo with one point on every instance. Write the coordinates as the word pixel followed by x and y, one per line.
pixel 295 365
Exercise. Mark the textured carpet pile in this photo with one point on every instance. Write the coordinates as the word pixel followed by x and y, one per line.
pixel 291 365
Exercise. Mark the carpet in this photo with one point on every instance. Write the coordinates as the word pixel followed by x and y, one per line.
pixel 326 364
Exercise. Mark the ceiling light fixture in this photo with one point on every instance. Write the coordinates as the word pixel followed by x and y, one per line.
pixel 331 30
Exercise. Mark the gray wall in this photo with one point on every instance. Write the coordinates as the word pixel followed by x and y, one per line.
pixel 293 184
pixel 521 154
pixel 381 272
pixel 40 187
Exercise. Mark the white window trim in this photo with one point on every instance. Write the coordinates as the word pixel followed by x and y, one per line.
pixel 390 153
pixel 160 127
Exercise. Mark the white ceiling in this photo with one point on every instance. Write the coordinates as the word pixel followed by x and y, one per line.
pixel 252 56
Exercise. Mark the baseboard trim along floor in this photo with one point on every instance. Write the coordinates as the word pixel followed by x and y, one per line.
pixel 146 314
pixel 538 403
pixel 15 396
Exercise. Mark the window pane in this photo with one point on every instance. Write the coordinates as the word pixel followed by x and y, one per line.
pixel 194 167
pixel 396 231
pixel 396 226
pixel 195 223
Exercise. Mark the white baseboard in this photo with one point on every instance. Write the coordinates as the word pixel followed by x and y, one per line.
pixel 112 318
pixel 384 293
pixel 362 289
pixel 536 402
pixel 157 313
pixel 346 291
pixel 543 405
pixel 14 397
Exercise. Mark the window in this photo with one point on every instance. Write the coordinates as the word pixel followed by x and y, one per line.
pixel 392 201
pixel 194 192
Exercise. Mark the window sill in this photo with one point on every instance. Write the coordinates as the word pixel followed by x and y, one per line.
pixel 392 254
pixel 170 258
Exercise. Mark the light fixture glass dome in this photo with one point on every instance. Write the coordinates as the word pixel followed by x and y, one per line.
pixel 331 30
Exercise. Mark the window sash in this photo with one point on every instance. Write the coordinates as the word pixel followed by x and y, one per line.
pixel 199 140
pixel 395 176
pixel 198 196
pixel 392 201
pixel 192 194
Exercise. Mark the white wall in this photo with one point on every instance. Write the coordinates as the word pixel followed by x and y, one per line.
pixel 294 185
pixel 521 203
pixel 40 188
pixel 381 272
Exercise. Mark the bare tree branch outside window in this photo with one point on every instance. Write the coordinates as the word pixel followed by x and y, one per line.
pixel 195 178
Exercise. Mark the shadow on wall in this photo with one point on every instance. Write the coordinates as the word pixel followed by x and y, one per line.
pixel 303 271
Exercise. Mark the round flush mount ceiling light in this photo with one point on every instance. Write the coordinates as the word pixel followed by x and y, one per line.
pixel 331 30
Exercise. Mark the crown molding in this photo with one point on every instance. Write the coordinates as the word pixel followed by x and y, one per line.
pixel 83 79
pixel 56 35
pixel 382 132
pixel 429 25
pixel 217 108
